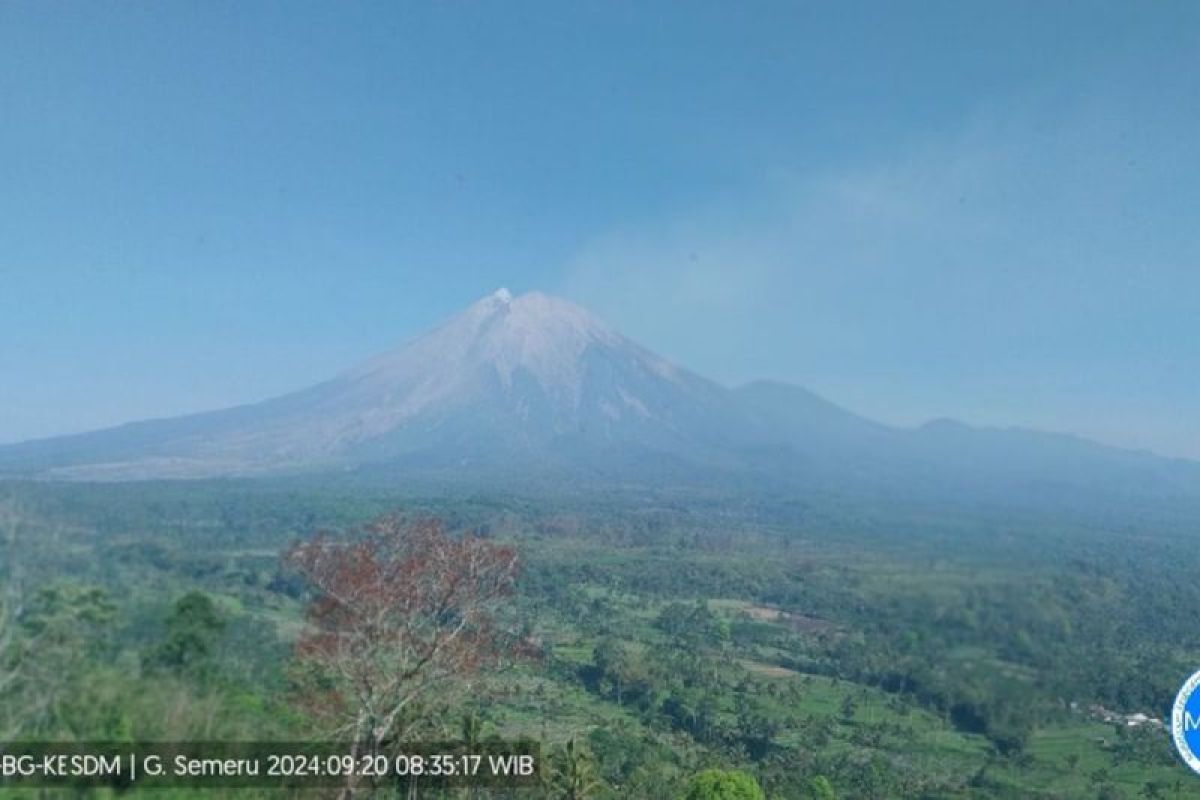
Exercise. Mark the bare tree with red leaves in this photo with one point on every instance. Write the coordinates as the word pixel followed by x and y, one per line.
pixel 403 615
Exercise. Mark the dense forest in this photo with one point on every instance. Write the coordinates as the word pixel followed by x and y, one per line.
pixel 652 646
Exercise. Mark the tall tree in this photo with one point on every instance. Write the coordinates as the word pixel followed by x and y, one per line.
pixel 574 775
pixel 718 784
pixel 193 629
pixel 10 612
pixel 402 612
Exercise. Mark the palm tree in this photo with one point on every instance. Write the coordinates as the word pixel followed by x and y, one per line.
pixel 575 776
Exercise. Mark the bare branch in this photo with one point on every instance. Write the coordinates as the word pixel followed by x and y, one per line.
pixel 402 612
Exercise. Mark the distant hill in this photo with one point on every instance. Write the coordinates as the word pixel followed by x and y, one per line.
pixel 534 386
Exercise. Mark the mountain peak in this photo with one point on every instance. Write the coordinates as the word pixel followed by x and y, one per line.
pixel 523 358
pixel 518 384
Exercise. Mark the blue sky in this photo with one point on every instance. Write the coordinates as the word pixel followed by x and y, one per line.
pixel 985 210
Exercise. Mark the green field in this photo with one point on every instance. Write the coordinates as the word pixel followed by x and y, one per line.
pixel 892 667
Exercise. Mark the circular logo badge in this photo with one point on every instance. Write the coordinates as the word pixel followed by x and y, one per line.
pixel 1185 722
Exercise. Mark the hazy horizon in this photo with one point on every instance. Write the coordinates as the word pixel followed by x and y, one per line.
pixel 981 213
pixel 506 294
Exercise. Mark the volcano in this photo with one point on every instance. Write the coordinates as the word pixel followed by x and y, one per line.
pixel 529 380
pixel 537 387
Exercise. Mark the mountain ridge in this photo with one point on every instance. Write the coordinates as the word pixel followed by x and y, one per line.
pixel 536 384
